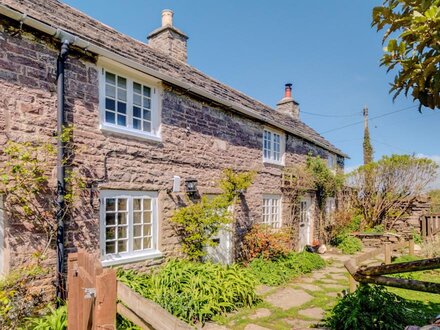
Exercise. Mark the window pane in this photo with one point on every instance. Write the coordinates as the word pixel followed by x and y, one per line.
pixel 110 117
pixel 122 204
pixel 147 243
pixel 147 204
pixel 110 77
pixel 122 232
pixel 122 82
pixel 137 217
pixel 136 124
pixel 137 99
pixel 109 104
pixel 122 218
pixel 122 95
pixel 147 103
pixel 122 120
pixel 137 204
pixel 122 246
pixel 147 115
pixel 137 231
pixel 147 230
pixel 110 219
pixel 137 112
pixel 110 247
pixel 110 233
pixel 137 88
pixel 110 204
pixel 147 126
pixel 122 107
pixel 137 244
pixel 147 91
pixel 110 91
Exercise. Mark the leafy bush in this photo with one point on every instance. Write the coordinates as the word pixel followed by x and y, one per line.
pixel 372 307
pixel 265 242
pixel 281 270
pixel 124 324
pixel 195 292
pixel 431 248
pixel 17 300
pixel 56 319
pixel 350 245
pixel 345 222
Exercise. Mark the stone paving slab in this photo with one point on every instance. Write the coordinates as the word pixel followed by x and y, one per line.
pixel 255 327
pixel 287 298
pixel 262 289
pixel 309 287
pixel 259 313
pixel 313 313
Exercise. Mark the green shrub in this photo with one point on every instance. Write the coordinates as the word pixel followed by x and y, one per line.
pixel 195 292
pixel 372 307
pixel 350 245
pixel 55 319
pixel 281 270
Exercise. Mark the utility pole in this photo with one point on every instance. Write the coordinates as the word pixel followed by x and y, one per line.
pixel 368 148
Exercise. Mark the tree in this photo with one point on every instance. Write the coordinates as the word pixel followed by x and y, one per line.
pixel 412 47
pixel 394 182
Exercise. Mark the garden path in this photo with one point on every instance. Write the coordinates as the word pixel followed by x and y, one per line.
pixel 299 304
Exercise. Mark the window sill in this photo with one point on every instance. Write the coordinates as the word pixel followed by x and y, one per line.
pixel 273 162
pixel 112 261
pixel 130 132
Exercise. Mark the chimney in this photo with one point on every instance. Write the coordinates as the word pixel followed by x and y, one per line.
pixel 168 39
pixel 287 104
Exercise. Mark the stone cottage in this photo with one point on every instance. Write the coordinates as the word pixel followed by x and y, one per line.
pixel 148 127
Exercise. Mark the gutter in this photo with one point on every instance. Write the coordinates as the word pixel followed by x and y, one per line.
pixel 87 46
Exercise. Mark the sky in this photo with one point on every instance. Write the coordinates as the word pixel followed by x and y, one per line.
pixel 326 49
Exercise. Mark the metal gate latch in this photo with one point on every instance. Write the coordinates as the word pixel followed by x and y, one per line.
pixel 89 293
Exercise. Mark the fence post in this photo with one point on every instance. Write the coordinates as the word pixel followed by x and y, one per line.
pixel 387 252
pixel 73 291
pixel 352 282
pixel 411 247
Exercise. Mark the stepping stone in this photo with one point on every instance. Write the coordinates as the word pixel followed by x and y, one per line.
pixel 334 287
pixel 339 277
pixel 259 313
pixel 336 270
pixel 255 327
pixel 299 324
pixel 329 281
pixel 309 287
pixel 287 298
pixel 332 294
pixel 262 289
pixel 313 313
pixel 305 280
pixel 213 326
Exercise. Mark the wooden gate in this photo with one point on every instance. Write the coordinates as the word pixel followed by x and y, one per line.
pixel 430 225
pixel 91 300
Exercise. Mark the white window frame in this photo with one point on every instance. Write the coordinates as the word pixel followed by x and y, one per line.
pixel 270 218
pixel 269 149
pixel 331 161
pixel 105 65
pixel 130 255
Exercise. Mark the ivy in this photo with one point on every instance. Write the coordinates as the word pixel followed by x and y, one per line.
pixel 198 222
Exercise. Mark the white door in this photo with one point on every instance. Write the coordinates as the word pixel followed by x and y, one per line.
pixel 304 222
pixel 222 253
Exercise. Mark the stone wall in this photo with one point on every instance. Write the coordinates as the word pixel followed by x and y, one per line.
pixel 410 223
pixel 199 140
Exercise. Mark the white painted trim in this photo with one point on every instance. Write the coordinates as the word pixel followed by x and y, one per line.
pixel 130 256
pixel 279 199
pixel 282 135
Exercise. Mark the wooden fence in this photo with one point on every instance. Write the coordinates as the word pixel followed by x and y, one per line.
pixel 374 274
pixel 91 293
pixel 92 299
pixel 430 225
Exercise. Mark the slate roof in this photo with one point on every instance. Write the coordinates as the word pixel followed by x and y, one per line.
pixel 62 16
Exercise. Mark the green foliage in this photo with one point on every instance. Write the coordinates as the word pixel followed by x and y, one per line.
pixel 378 229
pixel 383 190
pixel 266 242
pixel 195 292
pixel 55 319
pixel 197 223
pixel 17 301
pixel 372 307
pixel 124 324
pixel 350 245
pixel 412 47
pixel 281 270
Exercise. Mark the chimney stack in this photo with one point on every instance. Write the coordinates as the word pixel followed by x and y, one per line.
pixel 287 104
pixel 169 39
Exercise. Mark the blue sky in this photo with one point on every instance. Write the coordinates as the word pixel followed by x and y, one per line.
pixel 327 49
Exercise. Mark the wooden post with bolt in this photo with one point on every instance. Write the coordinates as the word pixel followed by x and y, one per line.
pixel 387 253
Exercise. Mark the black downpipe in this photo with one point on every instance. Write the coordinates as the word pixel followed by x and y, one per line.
pixel 61 184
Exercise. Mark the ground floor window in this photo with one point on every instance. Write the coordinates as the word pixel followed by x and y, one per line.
pixel 272 210
pixel 129 226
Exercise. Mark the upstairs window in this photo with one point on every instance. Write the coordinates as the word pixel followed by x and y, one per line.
pixel 272 211
pixel 129 105
pixel 273 147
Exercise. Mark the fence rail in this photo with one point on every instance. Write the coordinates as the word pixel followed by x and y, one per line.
pixel 374 274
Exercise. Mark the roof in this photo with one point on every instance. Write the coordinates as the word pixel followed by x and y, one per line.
pixel 62 16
